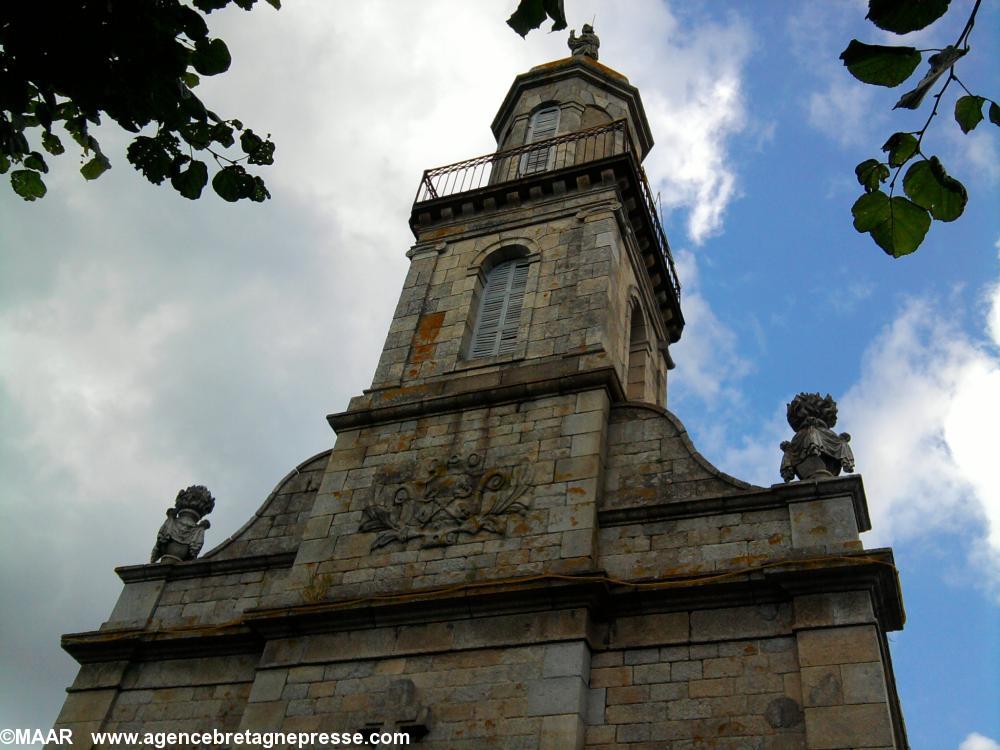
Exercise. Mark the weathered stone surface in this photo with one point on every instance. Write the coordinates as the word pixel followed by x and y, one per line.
pixel 556 695
pixel 829 523
pixel 655 629
pixel 845 645
pixel 135 604
pixel 837 727
pixel 723 624
pixel 840 608
pixel 783 713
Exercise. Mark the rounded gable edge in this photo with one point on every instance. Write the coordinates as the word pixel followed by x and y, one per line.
pixel 320 458
pixel 686 442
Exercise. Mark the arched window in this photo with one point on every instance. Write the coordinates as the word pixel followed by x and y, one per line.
pixel 544 124
pixel 638 355
pixel 499 315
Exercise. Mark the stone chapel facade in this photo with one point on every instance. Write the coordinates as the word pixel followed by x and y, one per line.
pixel 512 543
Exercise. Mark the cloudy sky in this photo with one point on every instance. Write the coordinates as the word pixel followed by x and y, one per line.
pixel 148 342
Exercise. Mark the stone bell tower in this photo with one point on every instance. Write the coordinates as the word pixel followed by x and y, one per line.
pixel 513 543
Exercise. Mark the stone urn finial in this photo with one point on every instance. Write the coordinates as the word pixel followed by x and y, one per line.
pixel 816 451
pixel 585 44
pixel 182 535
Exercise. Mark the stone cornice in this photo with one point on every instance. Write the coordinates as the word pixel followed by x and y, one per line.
pixel 604 598
pixel 203 567
pixel 775 496
pixel 504 386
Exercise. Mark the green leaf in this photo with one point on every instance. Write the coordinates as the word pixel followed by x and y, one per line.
pixel 232 183
pixel 151 157
pixel 904 16
pixel 192 22
pixel 259 194
pixel 211 57
pixel 190 79
pixel 35 161
pixel 198 134
pixel 969 112
pixel 191 181
pixel 250 141
pixel 258 150
pixel 930 187
pixel 900 147
pixel 263 154
pixel 994 113
pixel 223 134
pixel 4 163
pixel 878 65
pixel 897 225
pixel 870 210
pixel 276 4
pixel 95 167
pixel 904 230
pixel 52 144
pixel 27 183
pixel 530 14
pixel 871 173
pixel 209 5
pixel 940 62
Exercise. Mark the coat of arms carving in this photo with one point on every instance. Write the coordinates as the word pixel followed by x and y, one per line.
pixel 457 497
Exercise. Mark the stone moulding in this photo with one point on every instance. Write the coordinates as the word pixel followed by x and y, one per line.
pixel 204 566
pixel 776 496
pixel 490 389
pixel 458 497
pixel 870 570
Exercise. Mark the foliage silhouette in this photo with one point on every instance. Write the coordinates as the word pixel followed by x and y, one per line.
pixel 135 62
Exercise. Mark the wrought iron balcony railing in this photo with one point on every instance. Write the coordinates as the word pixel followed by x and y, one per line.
pixel 551 155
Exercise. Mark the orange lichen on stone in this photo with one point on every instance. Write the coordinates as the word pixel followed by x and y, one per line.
pixel 436 234
pixel 425 337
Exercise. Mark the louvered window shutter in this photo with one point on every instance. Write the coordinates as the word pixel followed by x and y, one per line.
pixel 543 126
pixel 500 310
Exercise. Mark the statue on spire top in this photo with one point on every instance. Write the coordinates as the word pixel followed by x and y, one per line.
pixel 585 44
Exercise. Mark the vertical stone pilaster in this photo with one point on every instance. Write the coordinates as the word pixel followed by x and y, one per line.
pixel 560 697
pixel 843 675
pixel 265 708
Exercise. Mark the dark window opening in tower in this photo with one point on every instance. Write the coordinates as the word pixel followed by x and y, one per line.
pixel 499 316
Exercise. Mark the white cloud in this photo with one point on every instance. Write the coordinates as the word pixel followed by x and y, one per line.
pixel 974 154
pixel 922 416
pixel 709 366
pixel 840 107
pixel 846 297
pixel 842 111
pixel 976 741
pixel 694 112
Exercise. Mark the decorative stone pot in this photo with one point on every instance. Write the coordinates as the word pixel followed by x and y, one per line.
pixel 817 467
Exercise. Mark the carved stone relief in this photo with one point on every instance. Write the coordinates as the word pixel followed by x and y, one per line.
pixel 458 496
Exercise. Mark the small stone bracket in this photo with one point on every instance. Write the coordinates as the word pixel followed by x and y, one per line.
pixel 400 711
